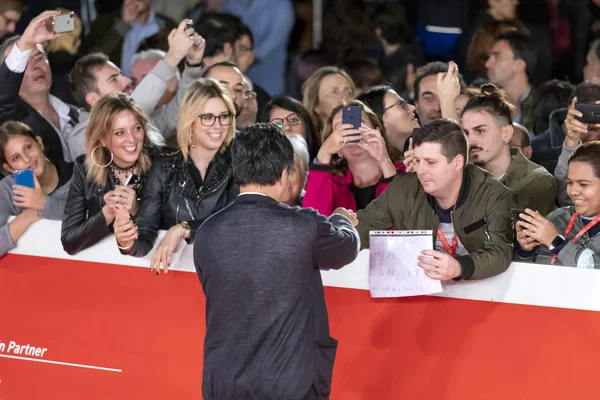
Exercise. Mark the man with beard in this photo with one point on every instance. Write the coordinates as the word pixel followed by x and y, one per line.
pixel 465 206
pixel 247 116
pixel 488 122
pixel 25 81
pixel 230 76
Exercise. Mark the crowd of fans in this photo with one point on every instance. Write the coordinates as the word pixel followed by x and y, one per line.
pixel 127 123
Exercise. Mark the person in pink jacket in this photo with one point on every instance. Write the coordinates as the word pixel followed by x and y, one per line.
pixel 351 170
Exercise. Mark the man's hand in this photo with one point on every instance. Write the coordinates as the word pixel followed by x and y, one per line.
pixel 36 32
pixel 448 86
pixel 196 53
pixel 181 41
pixel 439 266
pixel 351 215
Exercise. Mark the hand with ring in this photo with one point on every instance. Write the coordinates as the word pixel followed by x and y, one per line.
pixel 438 265
pixel 535 227
pixel 337 140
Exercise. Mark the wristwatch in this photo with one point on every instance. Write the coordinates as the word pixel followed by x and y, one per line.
pixel 560 239
pixel 186 229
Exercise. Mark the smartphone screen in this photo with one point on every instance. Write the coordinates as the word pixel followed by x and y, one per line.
pixel 24 177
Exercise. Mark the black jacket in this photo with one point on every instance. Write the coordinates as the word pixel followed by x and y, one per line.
pixel 83 222
pixel 267 331
pixel 547 146
pixel 12 107
pixel 171 196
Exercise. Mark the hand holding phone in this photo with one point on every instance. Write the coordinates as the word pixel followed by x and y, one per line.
pixel 62 23
pixel 516 212
pixel 590 111
pixel 352 115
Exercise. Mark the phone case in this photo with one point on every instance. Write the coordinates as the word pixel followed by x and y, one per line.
pixel 590 111
pixel 352 115
pixel 64 23
pixel 24 178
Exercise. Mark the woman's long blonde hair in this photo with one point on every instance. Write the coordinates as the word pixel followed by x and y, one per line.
pixel 193 105
pixel 310 91
pixel 100 127
pixel 337 165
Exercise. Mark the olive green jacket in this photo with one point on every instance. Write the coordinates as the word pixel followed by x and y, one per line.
pixel 530 184
pixel 482 218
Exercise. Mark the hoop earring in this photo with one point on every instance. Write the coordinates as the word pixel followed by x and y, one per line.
pixel 94 161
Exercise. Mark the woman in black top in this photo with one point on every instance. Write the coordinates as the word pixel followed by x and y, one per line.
pixel 108 179
pixel 187 186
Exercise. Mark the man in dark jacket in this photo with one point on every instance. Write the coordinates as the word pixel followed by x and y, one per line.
pixel 267 334
pixel 25 80
pixel 465 206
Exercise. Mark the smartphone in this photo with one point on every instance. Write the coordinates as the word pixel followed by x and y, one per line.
pixel 62 23
pixel 590 111
pixel 352 115
pixel 24 177
pixel 516 212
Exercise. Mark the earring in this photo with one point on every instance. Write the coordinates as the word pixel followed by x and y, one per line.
pixel 97 164
pixel 193 143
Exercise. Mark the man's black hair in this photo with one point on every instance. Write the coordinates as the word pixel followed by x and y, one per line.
pixel 259 155
pixel 432 68
pixel 523 48
pixel 216 35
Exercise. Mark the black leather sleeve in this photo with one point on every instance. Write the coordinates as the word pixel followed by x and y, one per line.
pixel 79 230
pixel 149 217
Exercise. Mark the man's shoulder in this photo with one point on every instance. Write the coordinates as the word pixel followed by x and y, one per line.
pixel 486 181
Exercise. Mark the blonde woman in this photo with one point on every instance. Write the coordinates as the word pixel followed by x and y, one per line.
pixel 327 88
pixel 109 178
pixel 188 186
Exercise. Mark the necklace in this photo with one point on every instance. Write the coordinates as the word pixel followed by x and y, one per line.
pixel 128 172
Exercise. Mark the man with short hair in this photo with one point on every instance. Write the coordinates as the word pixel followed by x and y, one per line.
pixel 247 115
pixel 437 86
pixel 143 63
pixel 467 208
pixel 258 261
pixel 511 62
pixel 25 81
pixel 230 76
pixel 487 121
pixel 10 14
pixel 220 40
pixel 94 76
pixel 520 140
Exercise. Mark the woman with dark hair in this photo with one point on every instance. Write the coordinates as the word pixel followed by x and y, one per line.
pixel 398 116
pixel 568 236
pixel 551 96
pixel 291 116
pixel 21 149
pixel 354 165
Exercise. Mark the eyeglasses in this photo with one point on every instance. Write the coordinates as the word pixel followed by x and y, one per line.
pixel 292 120
pixel 209 119
pixel 249 96
pixel 400 103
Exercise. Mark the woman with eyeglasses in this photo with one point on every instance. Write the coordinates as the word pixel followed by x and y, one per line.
pixel 291 116
pixel 354 165
pixel 108 180
pixel 186 187
pixel 398 116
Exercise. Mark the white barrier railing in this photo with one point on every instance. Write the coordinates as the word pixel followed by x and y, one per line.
pixel 529 284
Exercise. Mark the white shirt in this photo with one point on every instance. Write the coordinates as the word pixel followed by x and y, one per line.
pixel 16 61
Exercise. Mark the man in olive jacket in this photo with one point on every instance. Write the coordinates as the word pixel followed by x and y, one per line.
pixel 466 207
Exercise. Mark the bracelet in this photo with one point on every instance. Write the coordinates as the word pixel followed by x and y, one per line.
pixel 125 248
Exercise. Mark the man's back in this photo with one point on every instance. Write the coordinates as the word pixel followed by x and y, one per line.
pixel 266 318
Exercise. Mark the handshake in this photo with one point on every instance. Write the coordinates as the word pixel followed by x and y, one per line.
pixel 351 215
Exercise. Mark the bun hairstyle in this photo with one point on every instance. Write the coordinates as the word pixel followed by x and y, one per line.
pixel 493 100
